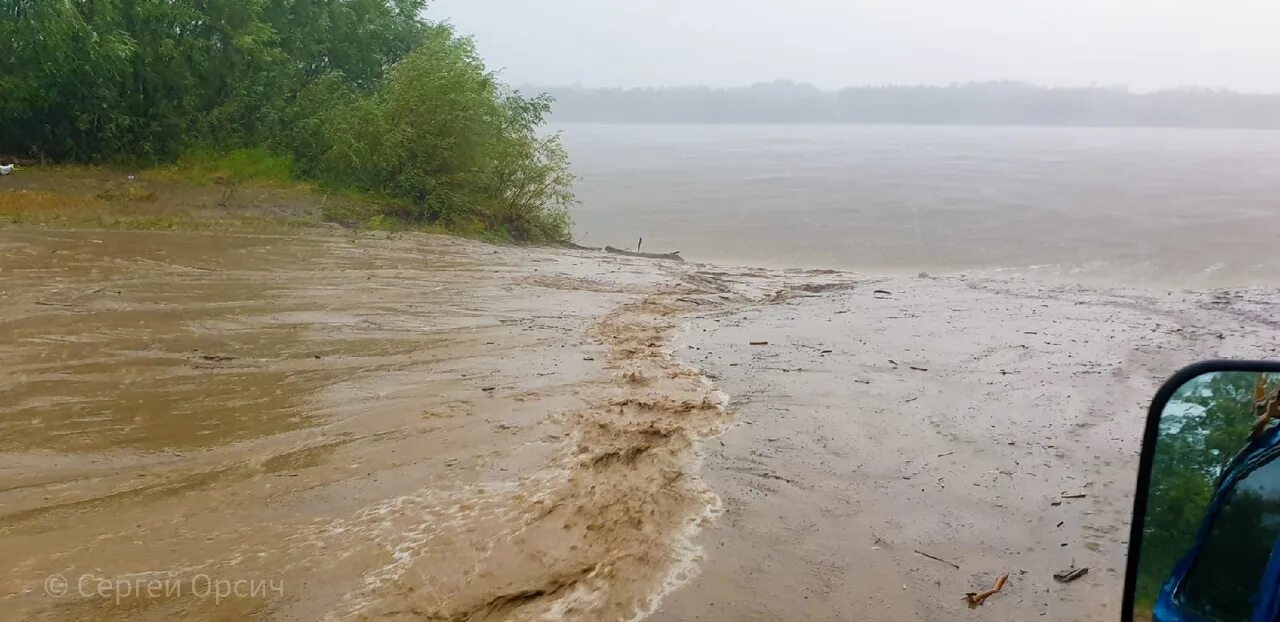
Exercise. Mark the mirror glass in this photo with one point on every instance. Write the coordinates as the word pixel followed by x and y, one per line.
pixel 1209 542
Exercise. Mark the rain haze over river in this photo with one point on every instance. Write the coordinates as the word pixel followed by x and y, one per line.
pixel 1137 205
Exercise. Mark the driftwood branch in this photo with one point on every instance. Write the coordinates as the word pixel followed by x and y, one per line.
pixel 228 191
pixel 1070 574
pixel 976 599
pixel 673 256
pixel 935 558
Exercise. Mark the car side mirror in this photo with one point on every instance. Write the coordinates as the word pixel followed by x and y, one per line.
pixel 1205 541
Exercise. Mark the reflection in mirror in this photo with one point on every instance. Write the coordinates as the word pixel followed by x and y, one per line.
pixel 1209 541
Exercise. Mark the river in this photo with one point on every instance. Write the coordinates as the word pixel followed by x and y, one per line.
pixel 1175 207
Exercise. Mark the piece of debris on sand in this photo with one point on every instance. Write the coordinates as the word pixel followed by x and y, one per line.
pixel 1070 574
pixel 975 599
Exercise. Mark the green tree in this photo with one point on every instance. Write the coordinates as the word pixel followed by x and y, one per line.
pixel 530 186
pixel 445 138
pixel 1206 423
pixel 59 80
pixel 356 93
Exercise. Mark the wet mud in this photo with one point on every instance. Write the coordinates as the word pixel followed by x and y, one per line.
pixel 906 442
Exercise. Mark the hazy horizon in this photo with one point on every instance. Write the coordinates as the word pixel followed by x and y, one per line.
pixel 999 103
pixel 539 87
pixel 1142 46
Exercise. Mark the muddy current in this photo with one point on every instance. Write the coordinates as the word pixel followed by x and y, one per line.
pixel 351 427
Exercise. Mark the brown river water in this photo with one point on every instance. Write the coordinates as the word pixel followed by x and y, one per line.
pixel 333 426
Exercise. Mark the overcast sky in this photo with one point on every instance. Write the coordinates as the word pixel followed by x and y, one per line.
pixel 1144 44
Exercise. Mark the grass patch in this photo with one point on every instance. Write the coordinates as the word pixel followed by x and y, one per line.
pixel 59 210
pixel 194 195
pixel 360 210
pixel 205 166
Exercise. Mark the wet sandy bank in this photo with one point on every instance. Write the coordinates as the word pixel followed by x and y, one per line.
pixel 961 418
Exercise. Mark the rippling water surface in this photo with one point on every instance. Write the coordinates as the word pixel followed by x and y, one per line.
pixel 1136 205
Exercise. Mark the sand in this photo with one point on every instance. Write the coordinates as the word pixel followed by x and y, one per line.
pixel 955 417
pixel 417 427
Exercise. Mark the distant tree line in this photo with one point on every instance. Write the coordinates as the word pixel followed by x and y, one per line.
pixel 363 94
pixel 993 103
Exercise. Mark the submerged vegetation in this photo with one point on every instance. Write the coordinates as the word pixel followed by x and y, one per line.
pixel 354 95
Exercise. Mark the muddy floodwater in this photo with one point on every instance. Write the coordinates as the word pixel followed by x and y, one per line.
pixel 414 427
pixel 340 426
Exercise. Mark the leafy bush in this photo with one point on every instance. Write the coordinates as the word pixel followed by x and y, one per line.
pixel 359 94
pixel 444 138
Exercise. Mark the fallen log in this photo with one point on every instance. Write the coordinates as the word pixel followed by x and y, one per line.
pixel 673 256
